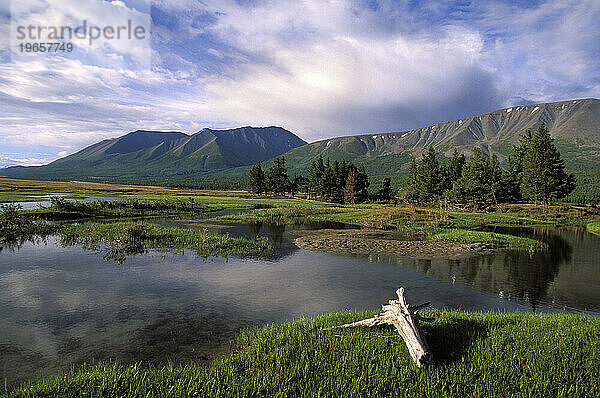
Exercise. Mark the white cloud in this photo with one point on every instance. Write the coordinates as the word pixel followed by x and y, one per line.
pixel 334 86
pixel 319 69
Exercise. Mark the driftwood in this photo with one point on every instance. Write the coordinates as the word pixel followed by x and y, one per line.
pixel 406 320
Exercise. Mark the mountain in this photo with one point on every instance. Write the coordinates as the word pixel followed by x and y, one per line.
pixel 574 124
pixel 221 158
pixel 158 155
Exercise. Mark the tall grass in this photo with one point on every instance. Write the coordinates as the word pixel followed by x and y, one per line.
pixel 120 239
pixel 17 227
pixel 491 238
pixel 475 355
pixel 127 208
pixel 594 227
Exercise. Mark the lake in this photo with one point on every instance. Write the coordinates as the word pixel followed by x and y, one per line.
pixel 61 306
pixel 46 200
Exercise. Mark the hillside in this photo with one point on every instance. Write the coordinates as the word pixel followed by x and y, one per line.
pixel 158 155
pixel 222 158
pixel 574 124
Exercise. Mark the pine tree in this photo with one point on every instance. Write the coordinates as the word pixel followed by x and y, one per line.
pixel 256 179
pixel 339 174
pixel 297 184
pixel 315 177
pixel 385 193
pixel 494 175
pixel 362 184
pixel 276 178
pixel 328 181
pixel 431 177
pixel 480 182
pixel 544 176
pixel 454 168
pixel 511 181
pixel 411 189
pixel 350 189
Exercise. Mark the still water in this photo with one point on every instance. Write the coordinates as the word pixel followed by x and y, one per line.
pixel 45 200
pixel 63 305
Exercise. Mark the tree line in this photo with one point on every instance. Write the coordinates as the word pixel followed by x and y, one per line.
pixel 534 172
pixel 340 182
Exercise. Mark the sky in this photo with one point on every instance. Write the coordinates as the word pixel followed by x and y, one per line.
pixel 317 68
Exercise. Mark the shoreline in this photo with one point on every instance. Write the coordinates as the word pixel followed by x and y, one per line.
pixel 373 241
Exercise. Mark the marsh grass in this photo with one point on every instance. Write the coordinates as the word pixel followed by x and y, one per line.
pixel 62 208
pixel 593 227
pixel 491 238
pixel 475 354
pixel 119 239
pixel 17 227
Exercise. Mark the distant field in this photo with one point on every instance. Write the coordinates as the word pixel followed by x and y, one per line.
pixel 16 189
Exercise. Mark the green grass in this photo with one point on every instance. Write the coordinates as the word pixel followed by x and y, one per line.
pixel 62 209
pixel 492 238
pixel 119 239
pixel 475 355
pixel 289 214
pixel 594 227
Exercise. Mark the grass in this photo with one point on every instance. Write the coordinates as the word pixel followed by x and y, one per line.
pixel 119 239
pixel 62 209
pixel 475 354
pixel 16 226
pixel 593 227
pixel 148 201
pixel 495 239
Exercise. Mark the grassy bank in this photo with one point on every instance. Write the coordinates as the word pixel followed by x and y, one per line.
pixel 62 209
pixel 491 238
pixel 475 354
pixel 593 227
pixel 420 222
pixel 124 238
pixel 119 239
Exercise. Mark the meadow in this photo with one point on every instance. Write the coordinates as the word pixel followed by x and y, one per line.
pixel 474 354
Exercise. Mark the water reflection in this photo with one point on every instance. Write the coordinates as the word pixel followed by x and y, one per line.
pixel 62 305
pixel 530 275
pixel 45 200
pixel 566 275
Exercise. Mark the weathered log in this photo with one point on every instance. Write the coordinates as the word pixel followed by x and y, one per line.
pixel 406 320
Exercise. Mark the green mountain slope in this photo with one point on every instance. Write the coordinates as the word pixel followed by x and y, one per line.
pixel 221 158
pixel 574 124
pixel 154 155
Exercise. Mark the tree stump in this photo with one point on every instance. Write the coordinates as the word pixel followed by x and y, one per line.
pixel 406 320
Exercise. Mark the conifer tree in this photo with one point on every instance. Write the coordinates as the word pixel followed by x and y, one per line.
pixel 544 176
pixel 385 193
pixel 480 181
pixel 256 179
pixel 412 184
pixel 276 178
pixel 350 189
pixel 431 177
pixel 362 184
pixel 315 177
pixel 454 168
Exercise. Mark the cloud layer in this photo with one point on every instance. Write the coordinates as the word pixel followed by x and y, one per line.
pixel 318 69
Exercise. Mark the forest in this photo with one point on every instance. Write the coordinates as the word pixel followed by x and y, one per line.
pixel 534 172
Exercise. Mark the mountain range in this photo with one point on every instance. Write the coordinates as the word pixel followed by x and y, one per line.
pixel 216 155
pixel 574 124
pixel 160 155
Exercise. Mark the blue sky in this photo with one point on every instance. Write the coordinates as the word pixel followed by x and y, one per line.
pixel 317 68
